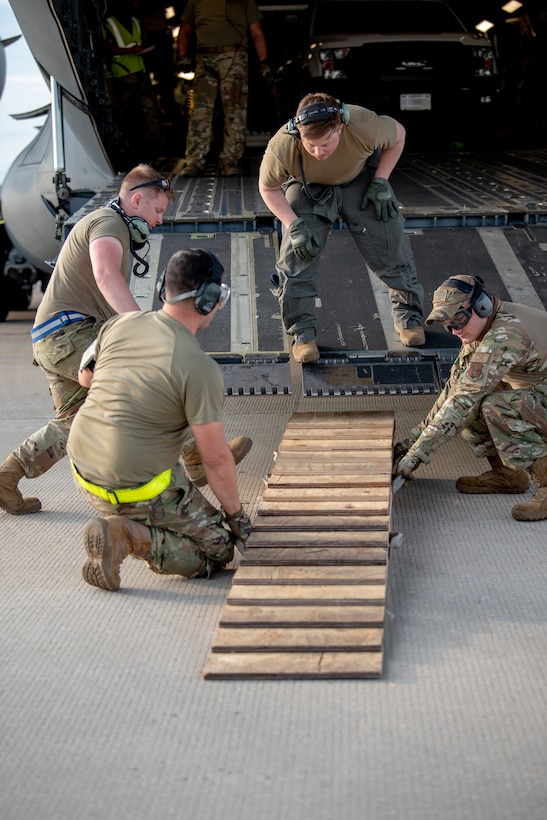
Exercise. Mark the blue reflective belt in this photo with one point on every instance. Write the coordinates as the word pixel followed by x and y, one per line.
pixel 62 319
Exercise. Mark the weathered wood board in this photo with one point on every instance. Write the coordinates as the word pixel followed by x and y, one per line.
pixel 308 598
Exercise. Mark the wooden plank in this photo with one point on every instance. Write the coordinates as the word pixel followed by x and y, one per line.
pixel 324 538
pixel 310 575
pixel 341 418
pixel 357 434
pixel 316 556
pixel 297 639
pixel 306 595
pixel 333 445
pixel 318 494
pixel 293 665
pixel 324 507
pixel 346 461
pixel 340 463
pixel 304 479
pixel 309 522
pixel 327 615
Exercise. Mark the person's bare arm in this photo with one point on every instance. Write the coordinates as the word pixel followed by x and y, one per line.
pixel 390 156
pixel 106 259
pixel 85 377
pixel 257 33
pixel 219 464
pixel 183 40
pixel 277 203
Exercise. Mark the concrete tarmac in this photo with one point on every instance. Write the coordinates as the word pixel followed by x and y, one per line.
pixel 105 714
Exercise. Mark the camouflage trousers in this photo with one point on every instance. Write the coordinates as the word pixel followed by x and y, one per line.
pixel 186 530
pixel 225 75
pixel 384 246
pixel 512 423
pixel 59 356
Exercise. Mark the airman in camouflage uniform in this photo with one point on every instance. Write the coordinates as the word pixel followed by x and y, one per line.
pixel 143 406
pixel 89 285
pixel 496 395
pixel 221 70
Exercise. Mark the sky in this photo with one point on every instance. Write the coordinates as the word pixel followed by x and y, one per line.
pixel 25 90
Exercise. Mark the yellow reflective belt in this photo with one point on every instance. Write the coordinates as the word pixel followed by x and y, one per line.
pixel 128 495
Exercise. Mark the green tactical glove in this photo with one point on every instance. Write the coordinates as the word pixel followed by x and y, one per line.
pixel 303 240
pixel 406 466
pixel 379 193
pixel 240 524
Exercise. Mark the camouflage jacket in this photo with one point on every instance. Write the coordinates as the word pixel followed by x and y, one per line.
pixel 507 356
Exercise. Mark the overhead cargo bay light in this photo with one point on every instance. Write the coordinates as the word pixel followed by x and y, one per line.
pixel 484 26
pixel 510 7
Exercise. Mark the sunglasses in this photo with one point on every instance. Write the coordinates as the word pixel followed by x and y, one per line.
pixel 224 296
pixel 459 320
pixel 162 184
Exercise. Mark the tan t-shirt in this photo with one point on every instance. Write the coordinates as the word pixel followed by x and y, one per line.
pixel 151 381
pixel 365 132
pixel 221 22
pixel 72 285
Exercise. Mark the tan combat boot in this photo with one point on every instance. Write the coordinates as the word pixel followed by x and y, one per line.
pixel 500 479
pixel 535 509
pixel 108 541
pixel 305 352
pixel 11 499
pixel 412 336
pixel 239 446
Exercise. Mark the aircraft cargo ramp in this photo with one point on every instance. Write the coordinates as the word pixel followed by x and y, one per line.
pixel 469 213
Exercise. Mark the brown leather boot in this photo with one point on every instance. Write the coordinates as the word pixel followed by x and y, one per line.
pixel 108 541
pixel 535 509
pixel 239 446
pixel 11 499
pixel 500 479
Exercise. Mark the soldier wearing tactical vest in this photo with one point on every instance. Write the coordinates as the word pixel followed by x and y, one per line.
pixel 496 395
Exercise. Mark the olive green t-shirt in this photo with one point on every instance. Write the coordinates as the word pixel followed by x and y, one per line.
pixel 365 132
pixel 221 22
pixel 72 285
pixel 151 380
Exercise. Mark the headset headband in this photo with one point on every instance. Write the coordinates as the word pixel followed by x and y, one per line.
pixel 459 284
pixel 317 114
pixel 181 297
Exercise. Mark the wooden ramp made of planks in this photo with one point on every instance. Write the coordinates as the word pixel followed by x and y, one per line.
pixel 308 598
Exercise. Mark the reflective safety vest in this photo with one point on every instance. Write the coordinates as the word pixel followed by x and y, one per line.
pixel 124 64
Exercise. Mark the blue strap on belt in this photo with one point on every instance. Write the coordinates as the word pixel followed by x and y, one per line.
pixel 61 320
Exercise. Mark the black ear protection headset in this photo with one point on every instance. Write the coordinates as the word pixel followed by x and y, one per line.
pixel 138 228
pixel 207 295
pixel 316 112
pixel 481 301
pixel 139 231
